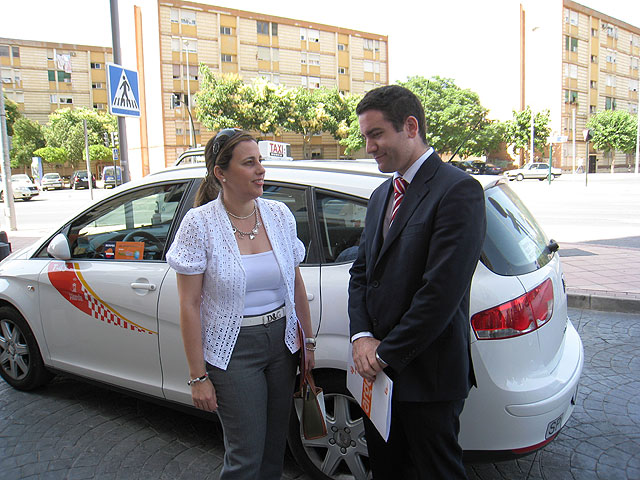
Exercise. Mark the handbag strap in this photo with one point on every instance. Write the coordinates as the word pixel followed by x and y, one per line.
pixel 305 377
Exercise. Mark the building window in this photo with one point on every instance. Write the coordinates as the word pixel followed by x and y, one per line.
pixel 342 70
pixel 226 31
pixel 176 72
pixel 594 59
pixel 633 108
pixel 263 27
pixel 99 106
pixel 570 70
pixel 50 54
pixel 53 98
pixel 96 66
pixel 570 44
pixel 178 132
pixel 66 100
pixel 314 82
pixel 611 81
pixel 274 29
pixel 314 59
pixel 275 54
pixel 52 75
pixel 316 153
pixel 193 72
pixel 609 103
pixel 594 32
pixel 187 17
pixel 612 31
pixel 633 85
pixel 175 15
pixel 64 76
pixel 6 75
pixel 611 57
pixel 570 96
pixel 190 45
pixel 264 53
pixel 303 58
pixel 15 52
pixel 592 109
pixel 570 17
pixel 4 50
pixel 635 40
pixel 303 34
pixel 634 63
pixel 97 85
pixel 314 35
pixel 342 47
pixel 17 97
pixel 226 58
pixel 368 66
pixel 593 84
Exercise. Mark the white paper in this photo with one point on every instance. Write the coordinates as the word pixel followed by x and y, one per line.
pixel 374 398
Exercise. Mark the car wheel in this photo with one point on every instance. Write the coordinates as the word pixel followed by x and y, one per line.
pixel 542 179
pixel 519 177
pixel 342 454
pixel 21 364
pixel 26 199
pixel 75 186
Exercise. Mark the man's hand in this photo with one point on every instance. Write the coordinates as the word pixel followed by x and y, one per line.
pixel 364 357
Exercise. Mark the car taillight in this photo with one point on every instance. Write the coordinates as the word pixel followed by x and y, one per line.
pixel 516 317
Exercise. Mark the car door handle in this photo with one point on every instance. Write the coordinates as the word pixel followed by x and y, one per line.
pixel 310 296
pixel 143 286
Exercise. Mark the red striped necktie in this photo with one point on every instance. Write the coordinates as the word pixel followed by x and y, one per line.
pixel 399 187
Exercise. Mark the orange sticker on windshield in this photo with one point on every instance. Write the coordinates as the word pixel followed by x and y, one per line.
pixel 69 282
pixel 129 250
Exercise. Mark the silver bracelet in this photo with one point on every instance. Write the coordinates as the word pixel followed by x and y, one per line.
pixel 198 379
pixel 310 347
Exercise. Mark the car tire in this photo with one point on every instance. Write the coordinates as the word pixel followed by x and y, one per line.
pixel 26 199
pixel 519 177
pixel 542 179
pixel 21 364
pixel 342 454
pixel 75 186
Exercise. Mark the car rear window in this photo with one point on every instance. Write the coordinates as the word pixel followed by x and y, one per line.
pixel 514 244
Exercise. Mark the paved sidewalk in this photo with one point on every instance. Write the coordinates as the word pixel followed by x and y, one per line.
pixel 601 277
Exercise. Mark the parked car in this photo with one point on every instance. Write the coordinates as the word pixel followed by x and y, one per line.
pixel 79 179
pixel 537 170
pixel 52 181
pixel 485 168
pixel 465 165
pixel 110 178
pixel 22 186
pixel 100 284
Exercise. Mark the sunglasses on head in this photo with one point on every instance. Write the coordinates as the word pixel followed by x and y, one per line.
pixel 222 137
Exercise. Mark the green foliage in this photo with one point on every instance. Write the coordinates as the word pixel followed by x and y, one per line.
pixel 518 130
pixel 54 155
pixel 13 114
pixel 65 130
pixel 226 101
pixel 613 130
pixel 27 138
pixel 99 153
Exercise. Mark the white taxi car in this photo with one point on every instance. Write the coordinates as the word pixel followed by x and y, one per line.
pixel 96 299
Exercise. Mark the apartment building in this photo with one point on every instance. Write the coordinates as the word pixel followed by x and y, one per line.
pixel 285 51
pixel 43 76
pixel 601 55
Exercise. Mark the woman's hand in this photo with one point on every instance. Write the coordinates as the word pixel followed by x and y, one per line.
pixel 310 360
pixel 204 397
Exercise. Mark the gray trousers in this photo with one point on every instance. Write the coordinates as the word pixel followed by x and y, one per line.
pixel 254 400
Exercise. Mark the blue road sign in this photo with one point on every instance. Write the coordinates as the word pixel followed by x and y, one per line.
pixel 124 94
pixel 115 154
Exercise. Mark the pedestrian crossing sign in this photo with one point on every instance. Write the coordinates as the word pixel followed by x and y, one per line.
pixel 124 94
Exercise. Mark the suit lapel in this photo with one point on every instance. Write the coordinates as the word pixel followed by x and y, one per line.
pixel 377 241
pixel 416 192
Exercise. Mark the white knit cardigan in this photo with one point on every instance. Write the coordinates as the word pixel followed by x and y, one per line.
pixel 205 244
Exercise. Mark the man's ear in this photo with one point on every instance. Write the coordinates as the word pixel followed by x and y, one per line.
pixel 411 126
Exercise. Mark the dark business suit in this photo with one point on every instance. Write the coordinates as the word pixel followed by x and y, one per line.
pixel 411 291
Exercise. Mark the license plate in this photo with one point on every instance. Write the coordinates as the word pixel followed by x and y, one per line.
pixel 553 427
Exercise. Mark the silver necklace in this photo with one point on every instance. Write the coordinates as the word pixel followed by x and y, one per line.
pixel 254 231
pixel 239 217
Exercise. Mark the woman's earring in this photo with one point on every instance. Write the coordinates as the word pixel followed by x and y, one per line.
pixel 224 179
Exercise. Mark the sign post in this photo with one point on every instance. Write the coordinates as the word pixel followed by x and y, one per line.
pixel 552 140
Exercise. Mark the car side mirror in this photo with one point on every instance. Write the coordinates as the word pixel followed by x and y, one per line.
pixel 59 247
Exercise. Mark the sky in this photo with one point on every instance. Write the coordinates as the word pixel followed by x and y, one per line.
pixel 475 42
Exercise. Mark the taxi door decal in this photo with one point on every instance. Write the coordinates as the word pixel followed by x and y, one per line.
pixel 69 282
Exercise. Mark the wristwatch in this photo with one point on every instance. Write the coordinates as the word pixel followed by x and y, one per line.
pixel 310 343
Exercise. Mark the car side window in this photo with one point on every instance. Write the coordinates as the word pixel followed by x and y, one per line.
pixel 341 221
pixel 134 226
pixel 296 200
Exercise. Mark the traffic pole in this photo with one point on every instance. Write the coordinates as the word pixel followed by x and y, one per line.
pixel 9 210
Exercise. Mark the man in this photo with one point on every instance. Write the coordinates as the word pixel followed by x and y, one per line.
pixel 409 289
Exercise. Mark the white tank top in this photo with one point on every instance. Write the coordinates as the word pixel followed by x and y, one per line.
pixel 265 285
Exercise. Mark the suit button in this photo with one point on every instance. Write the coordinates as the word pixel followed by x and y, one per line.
pixel 375 284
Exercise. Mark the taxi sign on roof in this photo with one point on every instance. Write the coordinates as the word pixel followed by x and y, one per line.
pixel 124 94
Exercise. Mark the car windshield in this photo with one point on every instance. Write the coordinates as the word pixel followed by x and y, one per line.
pixel 515 244
pixel 20 178
pixel 81 174
pixel 51 176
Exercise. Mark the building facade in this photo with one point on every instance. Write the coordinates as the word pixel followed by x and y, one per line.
pixel 42 76
pixel 287 52
pixel 600 56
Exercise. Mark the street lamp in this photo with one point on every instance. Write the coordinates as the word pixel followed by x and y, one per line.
pixel 193 133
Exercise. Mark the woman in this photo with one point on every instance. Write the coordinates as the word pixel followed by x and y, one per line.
pixel 241 298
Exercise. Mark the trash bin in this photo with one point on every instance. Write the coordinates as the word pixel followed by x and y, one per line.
pixel 5 246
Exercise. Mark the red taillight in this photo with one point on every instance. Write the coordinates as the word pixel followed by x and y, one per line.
pixel 516 317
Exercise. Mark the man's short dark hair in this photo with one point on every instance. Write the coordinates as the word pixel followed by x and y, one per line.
pixel 396 104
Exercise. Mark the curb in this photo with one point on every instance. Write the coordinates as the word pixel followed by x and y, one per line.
pixel 603 303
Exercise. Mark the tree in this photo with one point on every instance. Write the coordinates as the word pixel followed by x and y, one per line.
pixel 27 138
pixel 613 130
pixel 518 130
pixel 99 153
pixel 65 130
pixel 53 155
pixel 13 114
